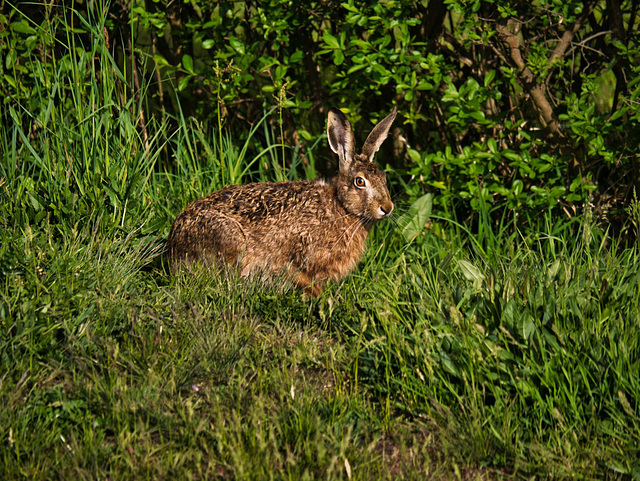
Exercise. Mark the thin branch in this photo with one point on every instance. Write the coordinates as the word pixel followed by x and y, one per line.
pixel 535 88
pixel 567 36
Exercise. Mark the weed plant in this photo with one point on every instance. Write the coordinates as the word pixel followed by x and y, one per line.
pixel 448 354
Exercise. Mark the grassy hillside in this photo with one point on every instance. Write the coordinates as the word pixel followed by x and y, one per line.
pixel 447 354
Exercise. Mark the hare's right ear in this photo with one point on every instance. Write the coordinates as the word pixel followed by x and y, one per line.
pixel 341 137
pixel 377 135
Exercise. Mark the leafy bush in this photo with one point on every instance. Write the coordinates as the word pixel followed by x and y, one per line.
pixel 513 107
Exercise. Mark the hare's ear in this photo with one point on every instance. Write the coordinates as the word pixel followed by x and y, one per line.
pixel 377 135
pixel 340 137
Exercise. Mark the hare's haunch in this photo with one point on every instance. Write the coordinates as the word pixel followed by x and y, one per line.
pixel 316 230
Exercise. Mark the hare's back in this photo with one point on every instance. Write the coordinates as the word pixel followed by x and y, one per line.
pixel 266 201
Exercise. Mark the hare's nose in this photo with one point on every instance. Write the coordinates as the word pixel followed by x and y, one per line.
pixel 386 210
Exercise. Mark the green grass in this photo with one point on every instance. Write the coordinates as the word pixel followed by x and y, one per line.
pixel 448 354
pixel 427 361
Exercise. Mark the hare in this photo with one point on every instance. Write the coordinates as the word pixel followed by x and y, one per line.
pixel 314 229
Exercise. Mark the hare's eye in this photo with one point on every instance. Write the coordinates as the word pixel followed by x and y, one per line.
pixel 360 182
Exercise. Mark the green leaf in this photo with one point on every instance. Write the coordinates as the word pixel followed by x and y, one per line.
pixel 305 134
pixel 528 326
pixel 10 80
pixel 491 74
pixel 448 364
pixel 23 27
pixel 184 82
pixel 12 55
pixel 517 186
pixel 161 61
pixel 330 40
pixel 413 222
pixel 477 115
pixel 470 272
pixel 296 56
pixel 493 146
pixel 351 8
pixel 414 155
pixel 187 63
pixel 355 68
pixel 237 45
pixel 510 155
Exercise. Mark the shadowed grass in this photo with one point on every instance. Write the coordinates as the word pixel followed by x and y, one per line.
pixel 428 361
pixel 126 376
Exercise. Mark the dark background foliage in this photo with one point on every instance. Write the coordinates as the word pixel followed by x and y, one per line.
pixel 508 108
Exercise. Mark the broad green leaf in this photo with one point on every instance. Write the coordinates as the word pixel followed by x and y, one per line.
pixel 296 56
pixel 237 45
pixel 553 270
pixel 187 63
pixel 10 80
pixel 511 155
pixel 23 27
pixel 448 364
pixel 330 40
pixel 413 154
pixel 305 134
pixel 470 272
pixel 413 222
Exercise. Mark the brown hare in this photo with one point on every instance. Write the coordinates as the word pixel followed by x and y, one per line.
pixel 314 229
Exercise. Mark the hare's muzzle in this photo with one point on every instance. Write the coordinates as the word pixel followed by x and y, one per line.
pixel 384 210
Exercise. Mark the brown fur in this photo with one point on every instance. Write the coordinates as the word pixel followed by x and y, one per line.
pixel 316 229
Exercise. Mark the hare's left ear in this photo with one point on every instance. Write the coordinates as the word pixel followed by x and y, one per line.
pixel 341 137
pixel 377 135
